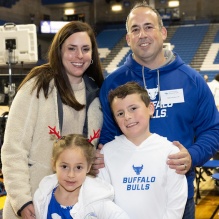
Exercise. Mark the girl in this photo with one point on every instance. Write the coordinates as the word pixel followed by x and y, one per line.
pixel 71 193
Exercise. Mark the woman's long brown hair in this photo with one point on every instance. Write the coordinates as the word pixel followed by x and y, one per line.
pixel 54 69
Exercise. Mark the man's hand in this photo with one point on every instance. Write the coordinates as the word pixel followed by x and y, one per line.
pixel 99 161
pixel 180 161
pixel 28 212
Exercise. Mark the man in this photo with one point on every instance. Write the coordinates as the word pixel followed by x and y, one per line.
pixel 184 105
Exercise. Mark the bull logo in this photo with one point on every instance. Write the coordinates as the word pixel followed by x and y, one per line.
pixel 137 169
pixel 152 93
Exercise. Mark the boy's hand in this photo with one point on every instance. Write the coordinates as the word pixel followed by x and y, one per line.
pixel 99 161
pixel 180 161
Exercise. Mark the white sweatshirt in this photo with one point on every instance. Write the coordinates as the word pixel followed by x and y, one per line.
pixel 95 200
pixel 145 187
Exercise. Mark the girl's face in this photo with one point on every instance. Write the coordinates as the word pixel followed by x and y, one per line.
pixel 71 168
pixel 76 56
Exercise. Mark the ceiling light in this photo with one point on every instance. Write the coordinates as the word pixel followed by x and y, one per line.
pixel 116 7
pixel 69 11
pixel 173 4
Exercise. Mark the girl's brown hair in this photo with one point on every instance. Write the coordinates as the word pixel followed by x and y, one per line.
pixel 74 141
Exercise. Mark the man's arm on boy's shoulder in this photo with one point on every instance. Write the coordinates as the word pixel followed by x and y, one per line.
pixel 98 166
pixel 180 161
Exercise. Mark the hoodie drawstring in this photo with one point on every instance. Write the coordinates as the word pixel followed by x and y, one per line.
pixel 158 85
pixel 158 81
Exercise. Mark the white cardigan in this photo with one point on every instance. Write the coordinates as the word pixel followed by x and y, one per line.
pixel 27 148
pixel 95 198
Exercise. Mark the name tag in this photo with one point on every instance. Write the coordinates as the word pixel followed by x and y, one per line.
pixel 172 96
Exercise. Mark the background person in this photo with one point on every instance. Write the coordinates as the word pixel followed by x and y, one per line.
pixel 139 168
pixel 184 106
pixel 206 78
pixel 214 86
pixel 72 192
pixel 60 93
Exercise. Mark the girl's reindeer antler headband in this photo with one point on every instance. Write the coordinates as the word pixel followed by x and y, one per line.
pixel 52 131
pixel 96 135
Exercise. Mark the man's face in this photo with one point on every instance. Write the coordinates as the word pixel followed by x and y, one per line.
pixel 145 37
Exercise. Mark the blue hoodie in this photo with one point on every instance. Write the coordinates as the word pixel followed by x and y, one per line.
pixel 185 113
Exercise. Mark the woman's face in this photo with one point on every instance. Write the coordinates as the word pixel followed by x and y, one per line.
pixel 76 55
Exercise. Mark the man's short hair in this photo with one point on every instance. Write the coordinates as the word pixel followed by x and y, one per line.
pixel 144 4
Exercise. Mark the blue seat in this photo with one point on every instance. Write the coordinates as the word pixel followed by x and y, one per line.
pixel 185 44
pixel 215 176
pixel 211 164
pixel 110 37
pixel 207 167
pixel 216 39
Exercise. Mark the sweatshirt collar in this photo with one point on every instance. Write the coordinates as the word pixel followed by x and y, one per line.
pixel 170 58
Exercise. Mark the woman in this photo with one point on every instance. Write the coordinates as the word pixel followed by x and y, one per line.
pixel 62 93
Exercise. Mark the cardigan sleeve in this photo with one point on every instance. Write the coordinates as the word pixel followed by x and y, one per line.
pixel 17 142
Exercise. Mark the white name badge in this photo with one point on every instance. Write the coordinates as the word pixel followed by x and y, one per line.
pixel 172 96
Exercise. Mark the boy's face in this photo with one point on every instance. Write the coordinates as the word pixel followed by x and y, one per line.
pixel 132 117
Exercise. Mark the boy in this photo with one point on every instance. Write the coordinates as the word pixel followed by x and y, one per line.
pixel 135 162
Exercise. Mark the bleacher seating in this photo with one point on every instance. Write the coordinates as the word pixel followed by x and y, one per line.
pixel 107 39
pixel 2 22
pixel 7 3
pixel 210 74
pixel 216 39
pixel 118 60
pixel 216 60
pixel 125 56
pixel 187 40
pixel 210 65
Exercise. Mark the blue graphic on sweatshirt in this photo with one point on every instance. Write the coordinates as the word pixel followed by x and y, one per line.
pixel 138 169
pixel 152 93
pixel 160 110
pixel 138 182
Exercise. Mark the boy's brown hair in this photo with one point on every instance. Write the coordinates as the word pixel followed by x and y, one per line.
pixel 129 88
